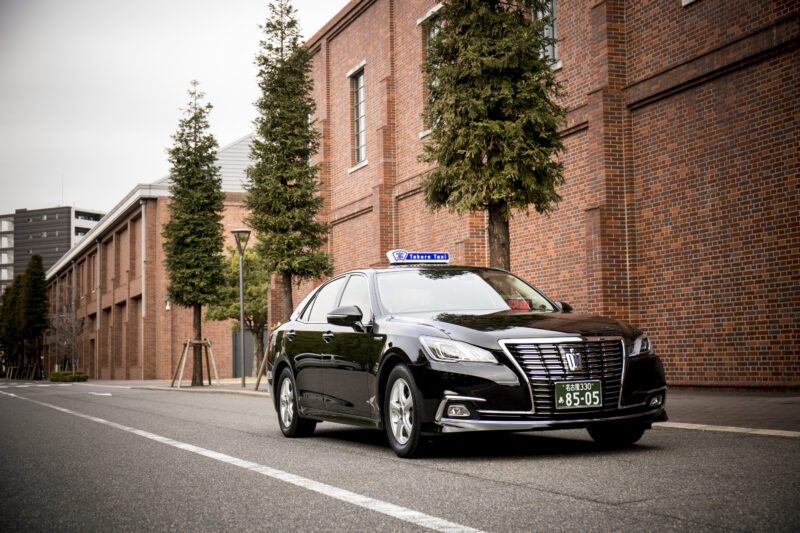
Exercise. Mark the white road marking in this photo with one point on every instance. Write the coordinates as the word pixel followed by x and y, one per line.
pixel 729 429
pixel 106 386
pixel 100 393
pixel 389 509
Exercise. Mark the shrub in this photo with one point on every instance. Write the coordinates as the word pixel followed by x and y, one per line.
pixel 68 377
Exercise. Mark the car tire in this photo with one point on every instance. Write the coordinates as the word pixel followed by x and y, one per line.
pixel 616 435
pixel 401 403
pixel 291 423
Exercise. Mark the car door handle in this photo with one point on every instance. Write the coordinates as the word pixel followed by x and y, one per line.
pixel 291 334
pixel 327 336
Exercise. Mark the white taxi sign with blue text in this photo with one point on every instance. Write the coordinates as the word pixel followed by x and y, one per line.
pixel 399 257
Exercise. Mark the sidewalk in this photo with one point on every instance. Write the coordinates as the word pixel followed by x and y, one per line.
pixel 760 410
pixel 226 385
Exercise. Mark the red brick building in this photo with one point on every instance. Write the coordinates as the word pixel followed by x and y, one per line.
pixel 680 210
pixel 114 283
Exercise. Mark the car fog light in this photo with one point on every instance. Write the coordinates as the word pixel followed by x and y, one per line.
pixel 655 401
pixel 457 410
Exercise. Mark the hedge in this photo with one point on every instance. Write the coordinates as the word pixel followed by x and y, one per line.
pixel 68 376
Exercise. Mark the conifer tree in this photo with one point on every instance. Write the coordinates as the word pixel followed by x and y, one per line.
pixel 284 200
pixel 11 322
pixel 33 304
pixel 494 113
pixel 193 236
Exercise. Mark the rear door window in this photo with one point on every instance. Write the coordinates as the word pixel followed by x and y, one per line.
pixel 326 300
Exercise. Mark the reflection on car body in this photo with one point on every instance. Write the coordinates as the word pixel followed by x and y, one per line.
pixel 423 349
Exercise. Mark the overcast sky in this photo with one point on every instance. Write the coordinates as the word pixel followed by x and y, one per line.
pixel 91 90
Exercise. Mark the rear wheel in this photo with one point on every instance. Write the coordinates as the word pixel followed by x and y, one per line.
pixel 400 411
pixel 616 435
pixel 292 424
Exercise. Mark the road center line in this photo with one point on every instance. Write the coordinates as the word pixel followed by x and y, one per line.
pixel 389 509
pixel 729 429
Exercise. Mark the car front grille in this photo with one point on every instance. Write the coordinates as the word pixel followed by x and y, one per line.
pixel 544 365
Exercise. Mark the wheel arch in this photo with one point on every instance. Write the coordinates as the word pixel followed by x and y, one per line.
pixel 282 363
pixel 390 360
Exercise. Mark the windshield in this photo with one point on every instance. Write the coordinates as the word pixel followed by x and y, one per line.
pixel 457 290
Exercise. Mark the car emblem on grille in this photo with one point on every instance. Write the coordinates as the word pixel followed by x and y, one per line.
pixel 572 358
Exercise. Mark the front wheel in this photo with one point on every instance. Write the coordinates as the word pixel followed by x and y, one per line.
pixel 292 425
pixel 401 402
pixel 616 435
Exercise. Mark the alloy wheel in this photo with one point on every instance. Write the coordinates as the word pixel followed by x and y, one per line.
pixel 286 399
pixel 401 411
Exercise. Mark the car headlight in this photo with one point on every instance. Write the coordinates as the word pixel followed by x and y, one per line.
pixel 449 351
pixel 640 345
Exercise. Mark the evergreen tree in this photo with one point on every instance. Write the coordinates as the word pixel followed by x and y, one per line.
pixel 492 106
pixel 256 298
pixel 10 322
pixel 284 200
pixel 34 305
pixel 193 237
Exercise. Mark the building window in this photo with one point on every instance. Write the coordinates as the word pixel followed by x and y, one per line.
pixel 44 217
pixel 359 116
pixel 80 232
pixel 82 215
pixel 551 30
pixel 431 28
pixel 44 234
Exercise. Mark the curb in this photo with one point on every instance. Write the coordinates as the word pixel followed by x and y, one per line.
pixel 207 391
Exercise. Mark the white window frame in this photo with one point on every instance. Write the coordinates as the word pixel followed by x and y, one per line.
pixel 552 53
pixel 356 77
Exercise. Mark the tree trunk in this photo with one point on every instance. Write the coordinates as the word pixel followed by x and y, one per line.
pixel 258 349
pixel 499 239
pixel 286 283
pixel 197 373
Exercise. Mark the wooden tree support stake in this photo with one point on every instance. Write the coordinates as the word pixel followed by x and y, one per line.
pixel 262 366
pixel 209 353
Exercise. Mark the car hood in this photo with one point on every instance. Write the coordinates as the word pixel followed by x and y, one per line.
pixel 485 330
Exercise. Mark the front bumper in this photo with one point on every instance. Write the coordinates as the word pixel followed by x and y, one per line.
pixel 456 425
pixel 500 398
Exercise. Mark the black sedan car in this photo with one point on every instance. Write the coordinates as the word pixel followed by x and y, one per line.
pixel 423 349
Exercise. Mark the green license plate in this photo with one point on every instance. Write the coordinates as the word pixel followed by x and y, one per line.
pixel 578 394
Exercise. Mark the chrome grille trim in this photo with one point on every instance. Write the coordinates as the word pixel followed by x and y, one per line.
pixel 539 362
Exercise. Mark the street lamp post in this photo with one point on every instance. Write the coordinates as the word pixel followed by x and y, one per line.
pixel 242 235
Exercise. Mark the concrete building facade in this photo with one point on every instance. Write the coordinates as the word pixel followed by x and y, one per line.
pixel 680 208
pixel 6 251
pixel 50 232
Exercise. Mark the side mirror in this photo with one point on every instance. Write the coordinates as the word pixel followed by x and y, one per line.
pixel 347 315
pixel 564 307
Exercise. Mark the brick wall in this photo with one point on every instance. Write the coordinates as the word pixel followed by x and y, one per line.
pixel 680 208
pixel 719 232
pixel 126 343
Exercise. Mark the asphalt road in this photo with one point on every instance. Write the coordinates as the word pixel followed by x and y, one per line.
pixel 88 458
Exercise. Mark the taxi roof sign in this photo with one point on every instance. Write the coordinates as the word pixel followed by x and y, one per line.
pixel 400 257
